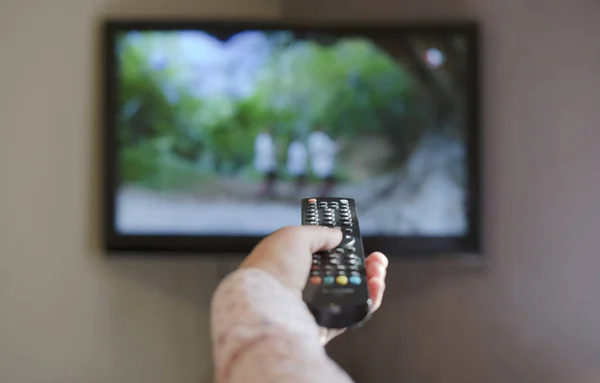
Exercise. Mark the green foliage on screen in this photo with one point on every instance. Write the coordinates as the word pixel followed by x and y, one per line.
pixel 171 138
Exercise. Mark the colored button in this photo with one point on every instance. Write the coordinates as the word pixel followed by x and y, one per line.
pixel 355 280
pixel 342 280
pixel 315 280
pixel 315 267
pixel 328 280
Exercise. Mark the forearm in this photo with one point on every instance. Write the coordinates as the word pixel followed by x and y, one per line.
pixel 264 332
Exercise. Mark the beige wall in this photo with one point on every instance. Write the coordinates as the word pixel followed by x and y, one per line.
pixel 532 314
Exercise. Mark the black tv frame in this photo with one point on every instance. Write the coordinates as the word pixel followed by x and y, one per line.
pixel 115 243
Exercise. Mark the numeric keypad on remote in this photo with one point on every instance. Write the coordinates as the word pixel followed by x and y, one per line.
pixel 341 261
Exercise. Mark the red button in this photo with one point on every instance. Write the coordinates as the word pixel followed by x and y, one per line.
pixel 315 280
pixel 312 200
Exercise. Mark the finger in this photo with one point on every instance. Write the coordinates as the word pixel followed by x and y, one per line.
pixel 319 238
pixel 376 289
pixel 377 257
pixel 375 270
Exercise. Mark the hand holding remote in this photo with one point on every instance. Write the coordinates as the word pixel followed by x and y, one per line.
pixel 287 255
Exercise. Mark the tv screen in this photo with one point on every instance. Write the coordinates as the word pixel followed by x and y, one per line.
pixel 216 131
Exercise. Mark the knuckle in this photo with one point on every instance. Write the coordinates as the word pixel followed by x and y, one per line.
pixel 289 231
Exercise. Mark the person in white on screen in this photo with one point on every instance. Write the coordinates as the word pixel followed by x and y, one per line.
pixel 265 161
pixel 323 151
pixel 297 157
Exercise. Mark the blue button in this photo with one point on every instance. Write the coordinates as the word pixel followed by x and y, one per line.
pixel 355 280
pixel 328 280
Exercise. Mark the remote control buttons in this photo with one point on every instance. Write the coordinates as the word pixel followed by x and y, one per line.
pixel 355 280
pixel 315 280
pixel 328 280
pixel 342 280
pixel 344 201
pixel 348 240
pixel 312 201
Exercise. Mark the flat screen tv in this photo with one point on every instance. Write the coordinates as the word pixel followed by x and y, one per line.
pixel 215 131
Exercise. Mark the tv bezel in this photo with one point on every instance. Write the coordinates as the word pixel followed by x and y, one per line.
pixel 117 243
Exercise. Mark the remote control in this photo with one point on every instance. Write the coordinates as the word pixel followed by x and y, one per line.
pixel 336 292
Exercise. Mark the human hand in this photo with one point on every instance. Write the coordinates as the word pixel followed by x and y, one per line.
pixel 287 255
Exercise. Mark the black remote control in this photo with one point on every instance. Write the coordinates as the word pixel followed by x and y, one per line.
pixel 336 292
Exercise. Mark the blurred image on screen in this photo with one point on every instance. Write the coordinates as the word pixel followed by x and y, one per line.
pixel 224 135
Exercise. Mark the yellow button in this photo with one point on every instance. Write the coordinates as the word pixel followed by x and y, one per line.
pixel 342 280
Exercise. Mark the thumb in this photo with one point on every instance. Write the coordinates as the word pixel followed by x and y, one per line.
pixel 321 238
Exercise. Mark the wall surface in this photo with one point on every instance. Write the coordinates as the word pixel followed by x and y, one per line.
pixel 532 314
